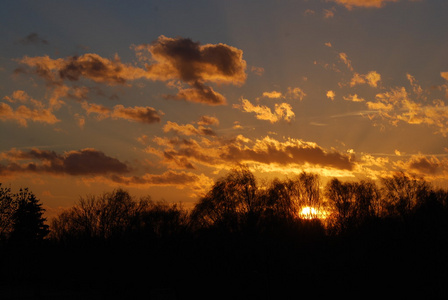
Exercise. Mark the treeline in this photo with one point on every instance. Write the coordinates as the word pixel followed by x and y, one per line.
pixel 243 239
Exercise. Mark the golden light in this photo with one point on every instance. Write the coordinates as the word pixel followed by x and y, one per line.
pixel 310 213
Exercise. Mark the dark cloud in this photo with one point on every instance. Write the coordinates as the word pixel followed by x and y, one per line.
pixel 180 62
pixel 82 162
pixel 195 64
pixel 33 39
pixel 425 165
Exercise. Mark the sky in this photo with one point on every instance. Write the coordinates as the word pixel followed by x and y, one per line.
pixel 161 98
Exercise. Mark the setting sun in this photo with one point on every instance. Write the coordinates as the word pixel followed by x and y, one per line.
pixel 310 213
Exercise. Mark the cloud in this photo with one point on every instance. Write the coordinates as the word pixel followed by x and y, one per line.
pixel 372 78
pixel 24 114
pixel 331 94
pixel 259 71
pixel 344 58
pixel 328 13
pixel 33 39
pixel 208 120
pixel 139 114
pixel 188 61
pixel 167 59
pixel 353 98
pixel 350 4
pixel 200 93
pixel 397 105
pixel 220 153
pixel 82 162
pixel 146 115
pixel 295 93
pixel 444 75
pixel 187 129
pixel 90 66
pixel 429 166
pixel 292 93
pixel 282 111
pixel 272 95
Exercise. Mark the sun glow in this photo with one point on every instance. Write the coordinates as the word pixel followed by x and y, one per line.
pixel 310 213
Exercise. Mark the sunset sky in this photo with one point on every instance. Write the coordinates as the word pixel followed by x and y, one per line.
pixel 163 97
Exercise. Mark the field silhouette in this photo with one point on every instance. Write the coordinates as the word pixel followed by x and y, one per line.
pixel 242 240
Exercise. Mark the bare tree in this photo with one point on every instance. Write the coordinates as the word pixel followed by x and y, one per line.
pixel 402 193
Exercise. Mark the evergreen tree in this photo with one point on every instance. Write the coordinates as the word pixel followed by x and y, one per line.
pixel 29 223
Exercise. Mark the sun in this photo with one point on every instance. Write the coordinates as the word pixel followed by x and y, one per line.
pixel 310 213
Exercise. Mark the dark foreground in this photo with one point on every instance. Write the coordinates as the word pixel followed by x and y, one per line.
pixel 239 266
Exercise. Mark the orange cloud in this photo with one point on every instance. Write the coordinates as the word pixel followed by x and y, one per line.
pixel 208 120
pixel 90 66
pixel 187 129
pixel 272 95
pixel 139 114
pixel 331 95
pixel 344 58
pixel 282 111
pixel 372 78
pixel 397 106
pixel 353 98
pixel 166 59
pixel 23 114
pixel 220 153
pixel 350 4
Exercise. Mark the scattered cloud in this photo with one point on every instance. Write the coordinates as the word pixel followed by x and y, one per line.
pixel 353 98
pixel 187 129
pixel 329 13
pixel 139 114
pixel 331 94
pixel 273 95
pixel 208 120
pixel 30 110
pixel 399 105
pixel 146 115
pixel 344 58
pixel 282 111
pixel 372 78
pixel 166 59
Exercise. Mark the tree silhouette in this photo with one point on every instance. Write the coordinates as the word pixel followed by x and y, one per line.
pixel 8 206
pixel 110 215
pixel 402 193
pixel 29 223
pixel 232 202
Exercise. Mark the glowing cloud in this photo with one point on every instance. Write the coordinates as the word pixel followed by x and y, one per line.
pixel 282 111
pixel 331 95
pixel 372 78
